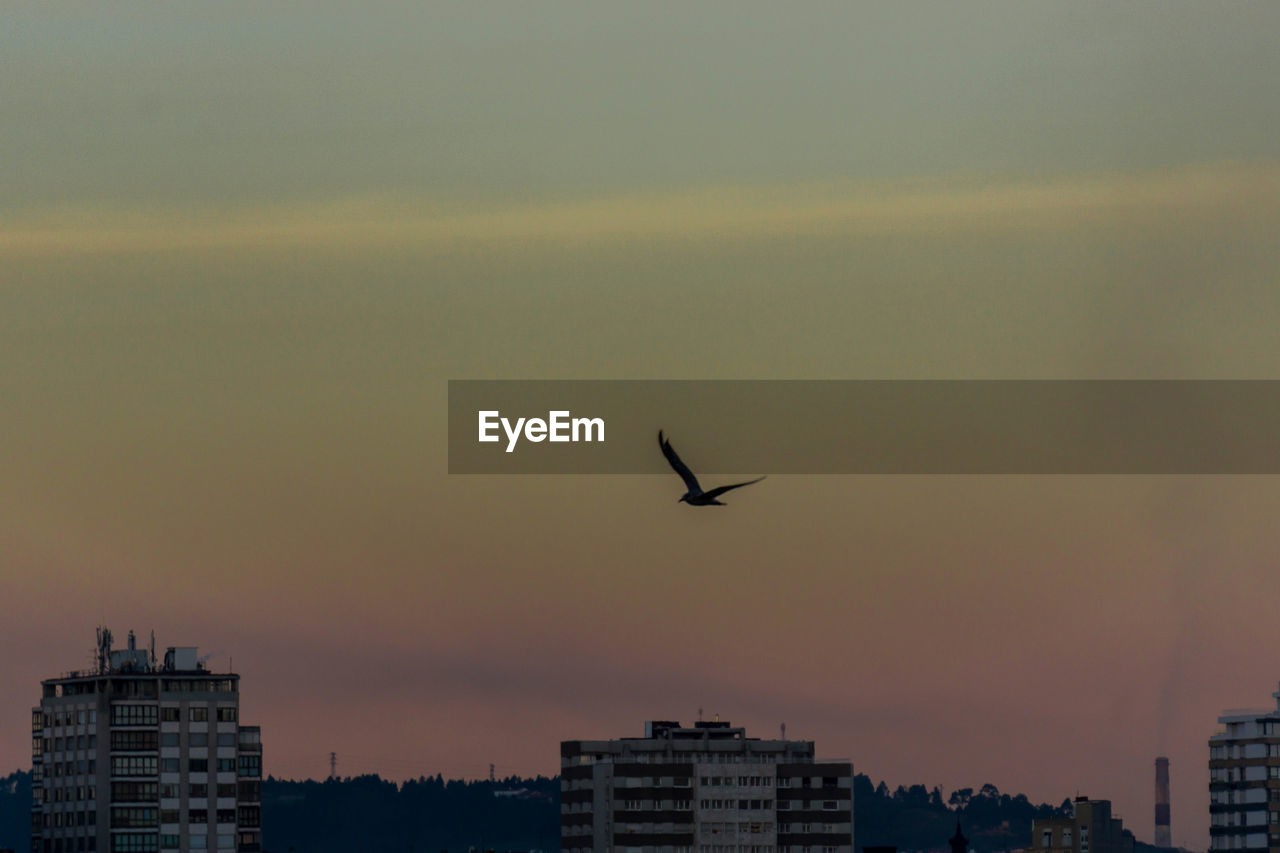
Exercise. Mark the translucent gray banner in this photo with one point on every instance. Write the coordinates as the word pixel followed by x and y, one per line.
pixel 866 426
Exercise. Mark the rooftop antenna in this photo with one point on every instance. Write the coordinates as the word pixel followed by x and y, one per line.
pixel 491 773
pixel 699 713
pixel 784 731
pixel 333 765
pixel 153 648
pixel 104 649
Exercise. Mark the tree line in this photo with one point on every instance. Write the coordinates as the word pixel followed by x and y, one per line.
pixel 431 814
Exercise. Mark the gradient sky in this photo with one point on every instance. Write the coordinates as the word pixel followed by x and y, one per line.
pixel 242 250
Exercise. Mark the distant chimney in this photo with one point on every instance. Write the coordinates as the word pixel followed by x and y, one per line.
pixel 1164 837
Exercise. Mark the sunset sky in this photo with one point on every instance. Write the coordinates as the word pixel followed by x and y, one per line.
pixel 244 248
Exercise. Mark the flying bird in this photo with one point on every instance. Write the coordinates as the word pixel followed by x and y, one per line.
pixel 695 496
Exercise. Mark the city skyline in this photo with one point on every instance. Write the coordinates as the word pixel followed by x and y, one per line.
pixel 243 250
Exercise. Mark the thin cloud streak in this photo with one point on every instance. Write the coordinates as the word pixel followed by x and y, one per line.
pixel 842 207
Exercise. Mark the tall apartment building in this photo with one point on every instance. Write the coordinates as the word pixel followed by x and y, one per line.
pixel 1244 781
pixel 703 789
pixel 139 755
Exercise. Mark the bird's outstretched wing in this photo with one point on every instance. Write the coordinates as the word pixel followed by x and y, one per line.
pixel 720 490
pixel 690 481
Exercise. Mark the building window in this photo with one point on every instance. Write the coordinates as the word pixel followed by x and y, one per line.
pixel 133 715
pixel 133 765
pixel 226 715
pixel 199 714
pixel 134 842
pixel 134 740
pixel 133 792
pixel 134 817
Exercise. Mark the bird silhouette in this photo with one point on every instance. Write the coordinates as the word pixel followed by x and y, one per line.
pixel 695 496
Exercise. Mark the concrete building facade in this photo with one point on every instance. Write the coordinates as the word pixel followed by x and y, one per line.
pixel 139 755
pixel 707 788
pixel 1091 829
pixel 1244 781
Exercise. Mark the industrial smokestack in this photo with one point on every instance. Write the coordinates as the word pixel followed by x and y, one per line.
pixel 1164 837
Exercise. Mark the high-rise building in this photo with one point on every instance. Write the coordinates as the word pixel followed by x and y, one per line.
pixel 703 789
pixel 1244 781
pixel 138 755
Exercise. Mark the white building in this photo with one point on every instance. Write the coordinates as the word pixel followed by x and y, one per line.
pixel 1244 781
pixel 139 755
pixel 704 789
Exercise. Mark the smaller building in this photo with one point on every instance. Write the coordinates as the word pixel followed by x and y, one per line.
pixel 1092 829
pixel 705 788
